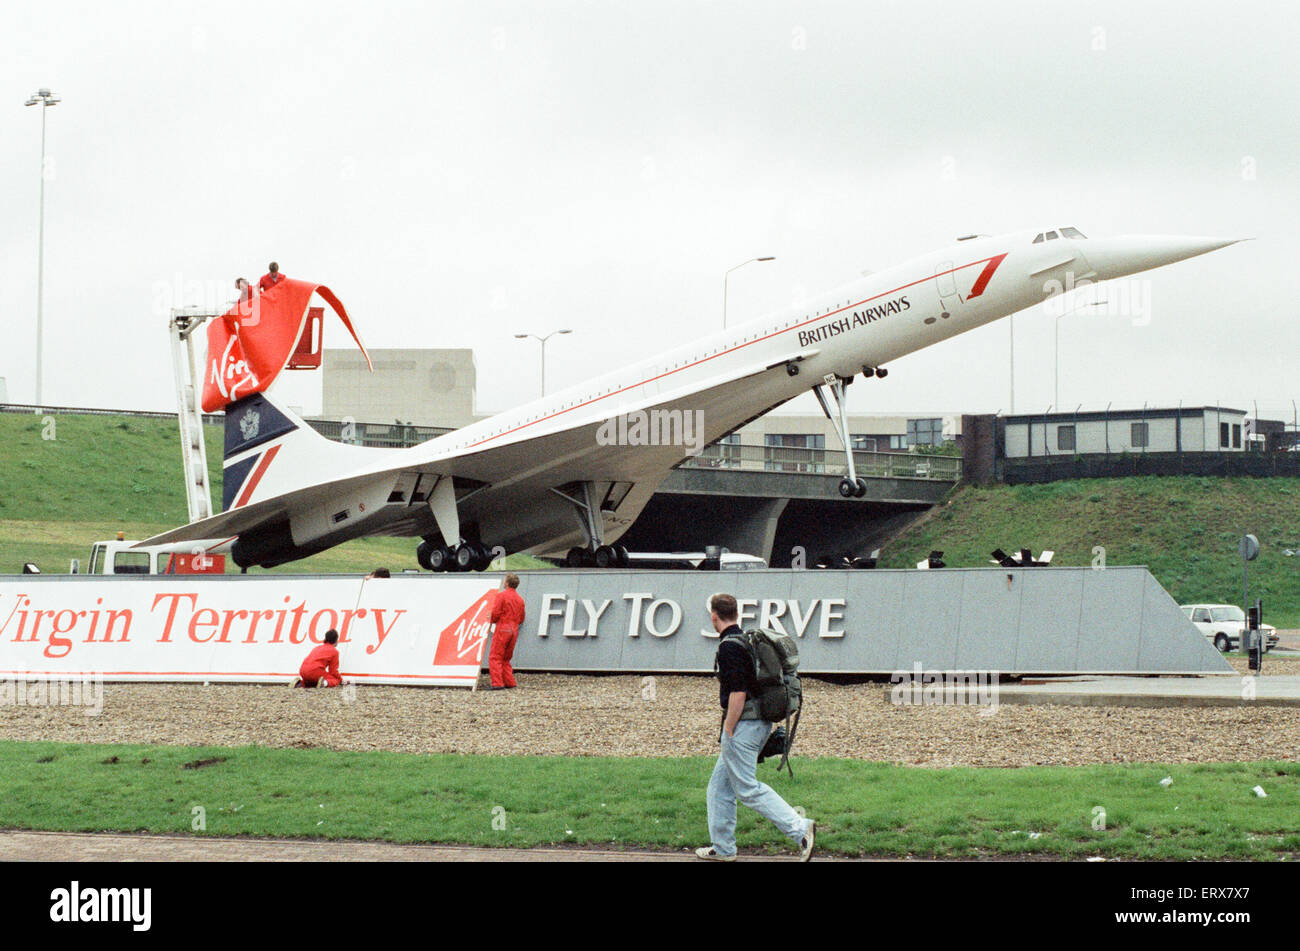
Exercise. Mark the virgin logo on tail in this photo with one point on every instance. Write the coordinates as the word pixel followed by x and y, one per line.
pixel 461 642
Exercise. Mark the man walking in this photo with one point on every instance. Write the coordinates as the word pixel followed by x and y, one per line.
pixel 507 615
pixel 744 732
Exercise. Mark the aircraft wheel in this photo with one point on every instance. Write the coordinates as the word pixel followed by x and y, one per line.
pixel 606 557
pixel 464 557
pixel 861 487
pixel 575 557
pixel 881 372
pixel 482 557
pixel 848 489
pixel 422 552
pixel 439 558
pixel 623 560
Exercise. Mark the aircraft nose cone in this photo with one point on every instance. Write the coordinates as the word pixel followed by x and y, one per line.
pixel 1131 253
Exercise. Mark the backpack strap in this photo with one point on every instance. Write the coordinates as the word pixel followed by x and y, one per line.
pixel 790 731
pixel 751 702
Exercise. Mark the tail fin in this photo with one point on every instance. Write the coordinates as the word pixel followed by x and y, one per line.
pixel 269 450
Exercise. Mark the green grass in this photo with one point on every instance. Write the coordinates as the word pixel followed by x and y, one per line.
pixel 1184 528
pixel 862 808
pixel 85 478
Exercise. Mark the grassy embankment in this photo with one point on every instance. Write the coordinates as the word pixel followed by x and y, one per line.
pixel 99 475
pixel 1184 528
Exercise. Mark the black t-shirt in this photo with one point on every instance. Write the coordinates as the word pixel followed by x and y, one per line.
pixel 735 667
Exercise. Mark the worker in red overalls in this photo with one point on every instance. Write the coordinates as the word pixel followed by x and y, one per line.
pixel 321 668
pixel 507 615
pixel 271 278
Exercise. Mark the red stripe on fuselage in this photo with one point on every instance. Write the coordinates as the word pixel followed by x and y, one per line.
pixel 992 261
pixel 982 281
pixel 256 477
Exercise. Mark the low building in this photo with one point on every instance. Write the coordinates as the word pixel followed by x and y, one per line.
pixel 1185 429
pixel 416 387
pixel 867 433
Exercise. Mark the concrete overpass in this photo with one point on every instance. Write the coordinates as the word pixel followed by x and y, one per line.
pixel 766 500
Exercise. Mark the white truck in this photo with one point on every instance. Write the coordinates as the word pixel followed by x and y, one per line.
pixel 117 557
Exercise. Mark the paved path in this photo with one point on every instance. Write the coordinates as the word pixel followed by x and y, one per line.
pixel 1228 690
pixel 109 847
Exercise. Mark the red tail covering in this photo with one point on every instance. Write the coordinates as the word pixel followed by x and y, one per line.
pixel 253 341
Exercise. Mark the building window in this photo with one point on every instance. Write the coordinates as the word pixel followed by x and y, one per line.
pixel 925 432
pixel 794 452
pixel 1236 435
pixel 1065 438
pixel 898 442
pixel 1223 435
pixel 729 451
pixel 863 443
pixel 1140 436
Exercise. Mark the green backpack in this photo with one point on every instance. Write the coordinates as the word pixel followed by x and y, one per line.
pixel 776 668
pixel 780 692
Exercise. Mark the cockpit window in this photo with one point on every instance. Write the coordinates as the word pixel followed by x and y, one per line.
pixel 1052 236
pixel 1039 239
pixel 1072 233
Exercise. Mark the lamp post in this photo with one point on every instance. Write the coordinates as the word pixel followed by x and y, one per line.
pixel 43 98
pixel 1057 386
pixel 728 275
pixel 1011 321
pixel 543 340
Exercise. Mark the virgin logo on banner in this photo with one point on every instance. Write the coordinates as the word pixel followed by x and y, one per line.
pixel 243 630
pixel 463 640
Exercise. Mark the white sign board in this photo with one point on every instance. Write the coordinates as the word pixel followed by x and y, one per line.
pixel 243 630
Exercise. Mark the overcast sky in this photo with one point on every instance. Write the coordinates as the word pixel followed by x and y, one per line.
pixel 459 172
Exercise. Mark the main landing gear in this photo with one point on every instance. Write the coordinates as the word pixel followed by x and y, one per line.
pixel 467 556
pixel 597 554
pixel 605 556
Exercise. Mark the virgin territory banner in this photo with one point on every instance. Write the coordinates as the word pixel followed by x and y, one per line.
pixel 236 629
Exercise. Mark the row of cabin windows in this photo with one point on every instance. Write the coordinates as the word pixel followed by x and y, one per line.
pixel 1229 436
pixel 1139 437
pixel 1064 233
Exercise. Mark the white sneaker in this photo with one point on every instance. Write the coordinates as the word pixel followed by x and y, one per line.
pixel 806 845
pixel 710 854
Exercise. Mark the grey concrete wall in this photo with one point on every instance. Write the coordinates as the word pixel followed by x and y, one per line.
pixel 1018 621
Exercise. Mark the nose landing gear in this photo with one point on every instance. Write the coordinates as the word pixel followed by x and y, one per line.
pixel 851 486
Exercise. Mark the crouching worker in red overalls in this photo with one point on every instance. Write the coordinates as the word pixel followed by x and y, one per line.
pixel 321 668
pixel 507 615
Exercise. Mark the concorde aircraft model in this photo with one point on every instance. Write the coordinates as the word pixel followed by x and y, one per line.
pixel 567 474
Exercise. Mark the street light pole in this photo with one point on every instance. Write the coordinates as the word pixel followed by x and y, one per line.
pixel 543 340
pixel 726 276
pixel 1012 322
pixel 1057 374
pixel 44 99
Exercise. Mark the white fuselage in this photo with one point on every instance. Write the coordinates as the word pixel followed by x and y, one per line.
pixel 515 461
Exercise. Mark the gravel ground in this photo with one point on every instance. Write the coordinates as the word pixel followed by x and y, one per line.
pixel 661 716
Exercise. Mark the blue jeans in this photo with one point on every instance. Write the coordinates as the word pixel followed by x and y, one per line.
pixel 733 779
